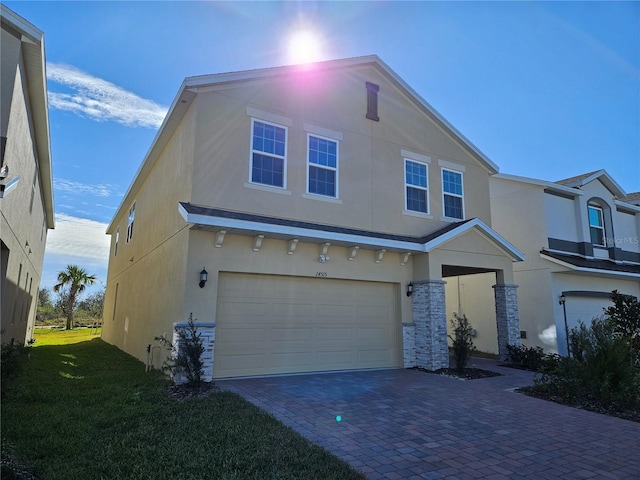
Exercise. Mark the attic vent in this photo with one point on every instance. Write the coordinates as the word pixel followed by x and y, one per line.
pixel 372 101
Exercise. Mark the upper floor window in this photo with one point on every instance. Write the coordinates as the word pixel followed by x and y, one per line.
pixel 115 247
pixel 415 180
pixel 323 166
pixel 268 159
pixel 452 194
pixel 596 225
pixel 132 216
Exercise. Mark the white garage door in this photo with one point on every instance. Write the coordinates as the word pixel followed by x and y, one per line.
pixel 584 309
pixel 275 324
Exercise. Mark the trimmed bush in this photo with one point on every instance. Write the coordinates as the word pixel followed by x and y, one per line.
pixel 462 341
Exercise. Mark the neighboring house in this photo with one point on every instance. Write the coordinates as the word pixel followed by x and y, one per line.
pixel 581 239
pixel 26 189
pixel 314 197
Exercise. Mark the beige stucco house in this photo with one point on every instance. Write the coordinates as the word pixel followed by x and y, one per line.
pixel 316 198
pixel 26 188
pixel 580 237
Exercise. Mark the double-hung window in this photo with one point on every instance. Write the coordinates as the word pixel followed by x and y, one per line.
pixel 322 166
pixel 452 194
pixel 596 225
pixel 415 180
pixel 268 154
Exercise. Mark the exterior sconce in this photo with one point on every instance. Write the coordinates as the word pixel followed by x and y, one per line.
pixel 324 258
pixel 409 289
pixel 203 277
pixel 562 302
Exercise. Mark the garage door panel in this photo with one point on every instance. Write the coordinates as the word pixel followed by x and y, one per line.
pixel 286 335
pixel 290 324
pixel 283 310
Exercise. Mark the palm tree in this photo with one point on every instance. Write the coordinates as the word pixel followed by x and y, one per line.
pixel 77 279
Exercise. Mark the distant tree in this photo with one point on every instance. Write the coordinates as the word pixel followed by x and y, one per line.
pixel 46 308
pixel 93 304
pixel 76 279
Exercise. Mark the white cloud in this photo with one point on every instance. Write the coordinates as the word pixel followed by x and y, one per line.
pixel 80 238
pixel 99 190
pixel 76 241
pixel 101 100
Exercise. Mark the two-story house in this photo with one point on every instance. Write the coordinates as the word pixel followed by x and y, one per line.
pixel 313 214
pixel 581 240
pixel 26 186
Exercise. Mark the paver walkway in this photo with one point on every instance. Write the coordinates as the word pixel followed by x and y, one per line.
pixel 406 424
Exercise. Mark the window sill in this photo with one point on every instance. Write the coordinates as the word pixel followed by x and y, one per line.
pixel 411 213
pixel 451 220
pixel 322 198
pixel 267 188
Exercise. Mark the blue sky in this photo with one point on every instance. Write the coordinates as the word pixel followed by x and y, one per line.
pixel 546 90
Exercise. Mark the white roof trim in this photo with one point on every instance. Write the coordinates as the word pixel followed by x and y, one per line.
pixel 308 233
pixel 540 183
pixel 297 232
pixel 491 234
pixel 628 206
pixel 597 271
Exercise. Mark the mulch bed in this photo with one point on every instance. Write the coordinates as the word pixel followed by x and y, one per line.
pixel 184 392
pixel 468 374
pixel 585 403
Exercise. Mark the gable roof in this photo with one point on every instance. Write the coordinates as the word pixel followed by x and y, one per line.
pixel 191 85
pixel 632 198
pixel 602 175
pixel 251 224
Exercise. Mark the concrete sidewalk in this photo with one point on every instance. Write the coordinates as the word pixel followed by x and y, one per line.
pixel 407 424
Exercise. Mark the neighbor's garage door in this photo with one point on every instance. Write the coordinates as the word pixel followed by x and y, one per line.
pixel 276 324
pixel 581 309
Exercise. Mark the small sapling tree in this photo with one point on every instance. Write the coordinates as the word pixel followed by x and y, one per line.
pixel 185 359
pixel 462 339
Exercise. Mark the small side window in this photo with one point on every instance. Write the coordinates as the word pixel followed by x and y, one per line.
pixel 372 101
pixel 132 216
pixel 115 247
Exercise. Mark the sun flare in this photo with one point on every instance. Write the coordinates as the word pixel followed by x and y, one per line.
pixel 304 47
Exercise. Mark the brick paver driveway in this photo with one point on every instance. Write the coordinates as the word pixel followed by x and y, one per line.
pixel 407 424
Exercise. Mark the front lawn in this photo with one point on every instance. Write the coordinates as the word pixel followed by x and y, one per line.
pixel 89 411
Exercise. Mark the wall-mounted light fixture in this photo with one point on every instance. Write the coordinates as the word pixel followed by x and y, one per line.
pixel 204 276
pixel 324 258
pixel 562 301
pixel 409 289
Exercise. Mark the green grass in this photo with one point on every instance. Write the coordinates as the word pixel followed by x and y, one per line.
pixel 89 411
pixel 56 336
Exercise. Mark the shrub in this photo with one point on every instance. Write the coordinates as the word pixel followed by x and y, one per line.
pixel 185 360
pixel 600 368
pixel 462 341
pixel 13 357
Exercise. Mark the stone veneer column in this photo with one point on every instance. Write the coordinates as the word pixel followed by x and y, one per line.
pixel 207 331
pixel 409 344
pixel 507 317
pixel 430 319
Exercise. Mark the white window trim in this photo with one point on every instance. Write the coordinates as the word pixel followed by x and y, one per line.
pixel 426 189
pixel 117 239
pixel 284 158
pixel 604 236
pixel 315 165
pixel 444 215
